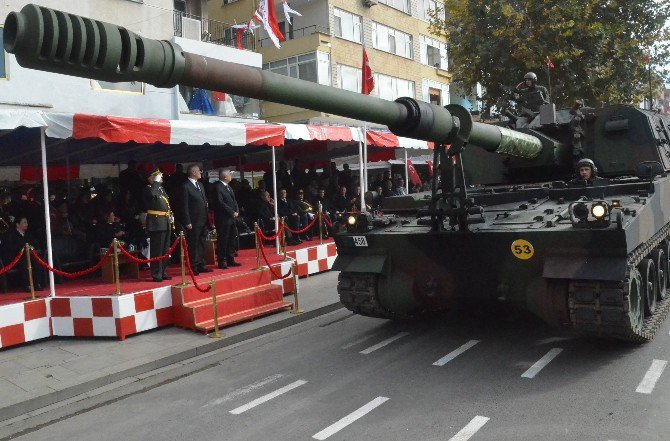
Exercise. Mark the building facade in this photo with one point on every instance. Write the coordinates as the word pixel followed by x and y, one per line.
pixel 325 46
pixel 182 21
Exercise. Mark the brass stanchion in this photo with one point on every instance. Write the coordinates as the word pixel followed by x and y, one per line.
pixel 321 226
pixel 258 246
pixel 283 236
pixel 216 333
pixel 182 244
pixel 117 278
pixel 296 305
pixel 29 265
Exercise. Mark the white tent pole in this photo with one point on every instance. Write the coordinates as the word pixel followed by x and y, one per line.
pixel 360 174
pixel 406 173
pixel 274 190
pixel 47 214
pixel 365 155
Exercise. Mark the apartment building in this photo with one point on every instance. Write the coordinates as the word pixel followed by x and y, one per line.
pixel 182 21
pixel 325 46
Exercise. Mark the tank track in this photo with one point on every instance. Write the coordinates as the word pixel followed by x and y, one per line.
pixel 601 308
pixel 358 293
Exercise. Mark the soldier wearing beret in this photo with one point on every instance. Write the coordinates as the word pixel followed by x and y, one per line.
pixel 158 222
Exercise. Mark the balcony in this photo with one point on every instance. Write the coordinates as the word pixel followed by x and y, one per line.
pixel 294 34
pixel 211 31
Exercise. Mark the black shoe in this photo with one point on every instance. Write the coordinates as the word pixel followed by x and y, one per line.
pixel 223 266
pixel 27 289
pixel 233 263
pixel 196 272
pixel 206 270
pixel 157 279
pixel 166 277
pixel 39 288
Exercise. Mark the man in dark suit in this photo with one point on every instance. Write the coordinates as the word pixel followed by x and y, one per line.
pixel 226 212
pixel 194 218
pixel 14 241
pixel 159 220
pixel 286 210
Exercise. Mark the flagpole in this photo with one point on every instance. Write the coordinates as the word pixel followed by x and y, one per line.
pixel 360 171
pixel 406 172
pixel 365 154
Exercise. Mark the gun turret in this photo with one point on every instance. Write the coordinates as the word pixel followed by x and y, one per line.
pixel 59 42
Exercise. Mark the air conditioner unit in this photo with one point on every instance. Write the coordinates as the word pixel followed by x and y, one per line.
pixel 190 28
pixel 370 3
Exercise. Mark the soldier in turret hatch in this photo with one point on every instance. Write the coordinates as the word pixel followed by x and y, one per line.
pixel 587 174
pixel 529 96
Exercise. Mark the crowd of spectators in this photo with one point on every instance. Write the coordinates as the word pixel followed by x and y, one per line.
pixel 113 209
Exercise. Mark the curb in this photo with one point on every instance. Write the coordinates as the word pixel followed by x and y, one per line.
pixel 24 407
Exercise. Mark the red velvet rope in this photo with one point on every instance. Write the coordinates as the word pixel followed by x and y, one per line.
pixel 12 263
pixel 326 220
pixel 274 236
pixel 75 274
pixel 190 270
pixel 304 230
pixel 278 276
pixel 152 259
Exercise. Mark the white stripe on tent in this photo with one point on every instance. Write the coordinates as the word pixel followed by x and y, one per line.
pixel 210 132
pixel 297 131
pixel 410 143
pixel 59 125
pixel 13 118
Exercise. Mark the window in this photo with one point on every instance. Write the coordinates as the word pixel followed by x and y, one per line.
pixel 347 25
pixel 425 6
pixel 227 2
pixel 433 52
pixel 391 40
pixel 390 88
pixel 435 92
pixel 126 87
pixel 349 78
pixel 403 5
pixel 313 67
pixel 3 56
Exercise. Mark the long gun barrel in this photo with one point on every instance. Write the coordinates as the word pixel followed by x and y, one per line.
pixel 59 42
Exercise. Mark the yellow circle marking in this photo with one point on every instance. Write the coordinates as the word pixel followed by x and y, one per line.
pixel 522 249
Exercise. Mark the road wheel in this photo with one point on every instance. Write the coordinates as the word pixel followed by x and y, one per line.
pixel 635 300
pixel 660 259
pixel 649 285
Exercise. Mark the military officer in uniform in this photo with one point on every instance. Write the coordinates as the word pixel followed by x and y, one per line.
pixel 159 222
pixel 529 96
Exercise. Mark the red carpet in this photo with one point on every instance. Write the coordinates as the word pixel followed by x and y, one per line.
pixel 93 286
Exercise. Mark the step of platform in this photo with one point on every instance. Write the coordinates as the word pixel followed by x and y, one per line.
pixel 242 316
pixel 243 304
pixel 235 282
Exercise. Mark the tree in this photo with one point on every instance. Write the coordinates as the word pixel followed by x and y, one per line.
pixel 599 48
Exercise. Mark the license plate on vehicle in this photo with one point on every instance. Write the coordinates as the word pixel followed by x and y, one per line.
pixel 360 241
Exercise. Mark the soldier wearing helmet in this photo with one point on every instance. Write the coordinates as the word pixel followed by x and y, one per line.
pixel 529 96
pixel 586 174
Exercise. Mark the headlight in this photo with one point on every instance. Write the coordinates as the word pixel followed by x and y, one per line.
pixel 351 220
pixel 598 210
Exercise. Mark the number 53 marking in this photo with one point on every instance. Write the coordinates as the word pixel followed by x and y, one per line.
pixel 522 249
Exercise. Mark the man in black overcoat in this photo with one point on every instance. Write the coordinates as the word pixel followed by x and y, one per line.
pixel 193 214
pixel 226 212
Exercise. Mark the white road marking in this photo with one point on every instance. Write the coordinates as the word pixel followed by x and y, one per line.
pixel 550 340
pixel 455 353
pixel 651 377
pixel 244 390
pixel 384 343
pixel 541 363
pixel 355 415
pixel 473 426
pixel 267 397
pixel 359 341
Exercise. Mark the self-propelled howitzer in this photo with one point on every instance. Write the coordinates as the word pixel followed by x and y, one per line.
pixel 494 226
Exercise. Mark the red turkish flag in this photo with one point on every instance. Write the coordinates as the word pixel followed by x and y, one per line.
pixel 367 81
pixel 218 96
pixel 413 174
pixel 550 64
pixel 430 168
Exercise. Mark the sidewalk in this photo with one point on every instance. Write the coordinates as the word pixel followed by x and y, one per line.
pixel 49 371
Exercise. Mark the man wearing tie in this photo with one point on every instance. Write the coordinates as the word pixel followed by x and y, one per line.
pixel 158 222
pixel 225 215
pixel 194 218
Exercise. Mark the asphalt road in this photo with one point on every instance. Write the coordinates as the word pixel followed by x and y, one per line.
pixel 484 376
